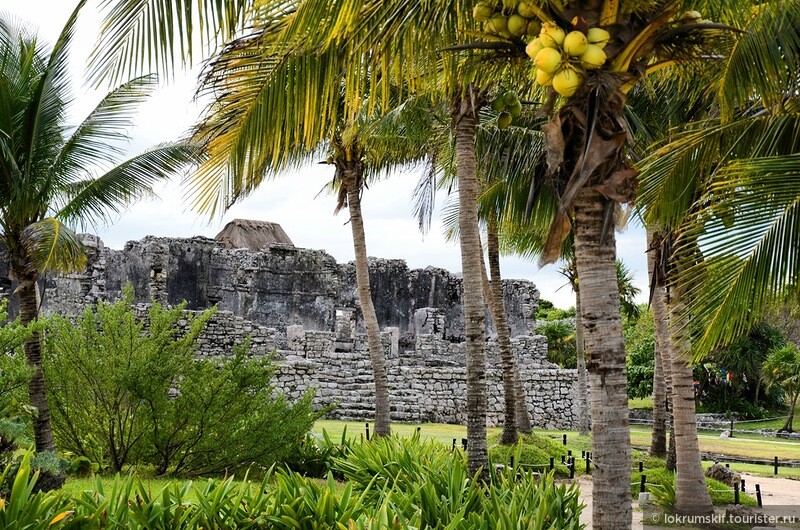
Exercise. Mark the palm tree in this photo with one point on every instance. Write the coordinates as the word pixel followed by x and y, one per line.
pixel 587 158
pixel 749 150
pixel 52 175
pixel 661 394
pixel 718 290
pixel 782 370
pixel 254 128
pixel 500 178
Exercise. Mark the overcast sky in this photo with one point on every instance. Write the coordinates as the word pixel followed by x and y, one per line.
pixel 290 200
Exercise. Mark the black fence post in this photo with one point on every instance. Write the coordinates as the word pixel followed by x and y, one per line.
pixel 464 443
pixel 572 468
pixel 512 461
pixel 367 427
pixel 758 496
pixel 641 466
pixel 641 485
pixel 552 463
pixel 588 465
pixel 775 463
pixel 452 449
pixel 735 493
pixel 565 439
pixel 742 485
pixel 419 429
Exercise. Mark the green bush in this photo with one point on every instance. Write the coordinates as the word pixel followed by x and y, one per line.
pixel 314 456
pixel 125 390
pixel 14 375
pixel 561 345
pixel 532 450
pixel 640 344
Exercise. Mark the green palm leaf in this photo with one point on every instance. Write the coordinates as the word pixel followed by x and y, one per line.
pixel 52 247
pixel 133 179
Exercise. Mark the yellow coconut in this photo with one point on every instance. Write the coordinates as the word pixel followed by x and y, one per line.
pixel 593 58
pixel 504 120
pixel 534 47
pixel 552 36
pixel 575 43
pixel 526 10
pixel 498 24
pixel 517 25
pixel 482 13
pixel 598 37
pixel 543 78
pixel 549 60
pixel 534 28
pixel 691 16
pixel 567 81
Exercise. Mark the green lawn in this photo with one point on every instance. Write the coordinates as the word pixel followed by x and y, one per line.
pixel 739 446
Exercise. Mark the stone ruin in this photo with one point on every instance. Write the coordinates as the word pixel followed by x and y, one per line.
pixel 303 305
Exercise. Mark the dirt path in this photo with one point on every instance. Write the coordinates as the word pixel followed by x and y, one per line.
pixel 774 491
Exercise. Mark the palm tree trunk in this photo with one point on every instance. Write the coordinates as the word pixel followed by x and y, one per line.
pixel 605 360
pixel 353 179
pixel 507 357
pixel 658 442
pixel 691 493
pixel 29 312
pixel 580 353
pixel 464 123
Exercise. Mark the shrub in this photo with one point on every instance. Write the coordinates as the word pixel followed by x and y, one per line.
pixel 125 390
pixel 532 450
pixel 419 493
pixel 314 456
pixel 561 346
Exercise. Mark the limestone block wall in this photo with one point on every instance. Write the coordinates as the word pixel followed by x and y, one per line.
pixel 302 305
pixel 427 383
pixel 278 287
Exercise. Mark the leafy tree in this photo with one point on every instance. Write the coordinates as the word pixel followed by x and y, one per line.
pixel 561 343
pixel 640 348
pixel 52 174
pixel 782 369
pixel 129 389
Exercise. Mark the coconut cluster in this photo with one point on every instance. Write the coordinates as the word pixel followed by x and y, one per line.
pixel 562 58
pixel 509 107
pixel 507 18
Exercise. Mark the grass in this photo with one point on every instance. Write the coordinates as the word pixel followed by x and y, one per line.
pixel 641 403
pixel 761 471
pixel 744 446
pixel 739 446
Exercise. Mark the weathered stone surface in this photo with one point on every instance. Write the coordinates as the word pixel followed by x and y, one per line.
pixel 723 474
pixel 303 305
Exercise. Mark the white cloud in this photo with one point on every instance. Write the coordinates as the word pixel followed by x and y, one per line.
pixel 391 229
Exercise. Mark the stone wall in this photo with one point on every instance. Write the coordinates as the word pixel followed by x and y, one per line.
pixel 278 287
pixel 302 304
pixel 427 382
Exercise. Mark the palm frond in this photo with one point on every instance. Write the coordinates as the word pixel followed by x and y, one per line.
pixel 94 200
pixel 98 139
pixel 143 36
pixel 52 247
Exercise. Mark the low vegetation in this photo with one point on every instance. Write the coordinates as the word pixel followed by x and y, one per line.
pixel 394 482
